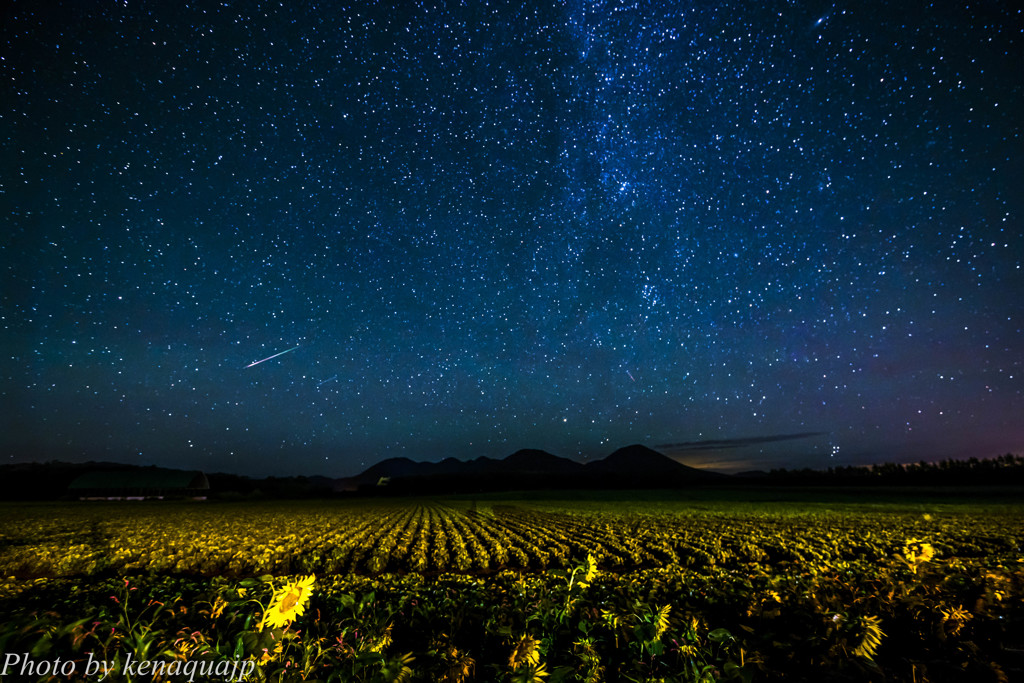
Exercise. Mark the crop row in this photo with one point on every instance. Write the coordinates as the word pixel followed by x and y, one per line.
pixel 896 621
pixel 432 537
pixel 433 590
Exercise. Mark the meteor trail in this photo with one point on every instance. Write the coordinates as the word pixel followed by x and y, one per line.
pixel 269 357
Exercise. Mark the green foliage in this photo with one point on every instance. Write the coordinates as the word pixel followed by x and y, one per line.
pixel 730 594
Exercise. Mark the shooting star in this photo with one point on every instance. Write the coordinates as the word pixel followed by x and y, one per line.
pixel 329 379
pixel 630 375
pixel 270 357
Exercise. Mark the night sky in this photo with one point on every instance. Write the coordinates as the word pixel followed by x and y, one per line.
pixel 751 234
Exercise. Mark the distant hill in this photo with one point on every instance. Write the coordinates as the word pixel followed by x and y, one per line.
pixel 395 468
pixel 54 480
pixel 38 480
pixel 532 460
pixel 641 466
pixel 630 467
pixel 529 468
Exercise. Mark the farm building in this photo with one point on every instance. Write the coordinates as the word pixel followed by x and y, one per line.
pixel 150 483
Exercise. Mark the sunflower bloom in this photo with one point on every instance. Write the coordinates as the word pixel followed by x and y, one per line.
pixel 871 637
pixel 591 570
pixel 661 620
pixel 531 673
pixel 460 666
pixel 916 552
pixel 524 653
pixel 953 620
pixel 288 603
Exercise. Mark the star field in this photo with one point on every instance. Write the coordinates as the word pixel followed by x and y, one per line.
pixel 498 225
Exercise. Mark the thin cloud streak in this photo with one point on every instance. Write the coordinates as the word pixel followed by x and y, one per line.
pixel 724 444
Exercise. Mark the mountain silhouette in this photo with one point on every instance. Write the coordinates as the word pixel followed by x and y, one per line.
pixel 638 465
pixel 395 468
pixel 532 460
pixel 634 466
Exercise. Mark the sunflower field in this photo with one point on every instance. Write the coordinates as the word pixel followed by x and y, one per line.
pixel 462 590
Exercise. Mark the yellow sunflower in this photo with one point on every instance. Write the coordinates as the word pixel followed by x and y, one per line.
pixel 591 570
pixel 524 653
pixel 916 552
pixel 289 602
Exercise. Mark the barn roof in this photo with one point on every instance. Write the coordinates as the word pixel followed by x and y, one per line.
pixel 147 478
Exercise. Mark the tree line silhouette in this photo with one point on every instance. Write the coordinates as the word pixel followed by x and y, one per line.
pixel 1004 470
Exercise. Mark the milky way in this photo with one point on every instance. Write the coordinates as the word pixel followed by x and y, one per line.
pixel 489 226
